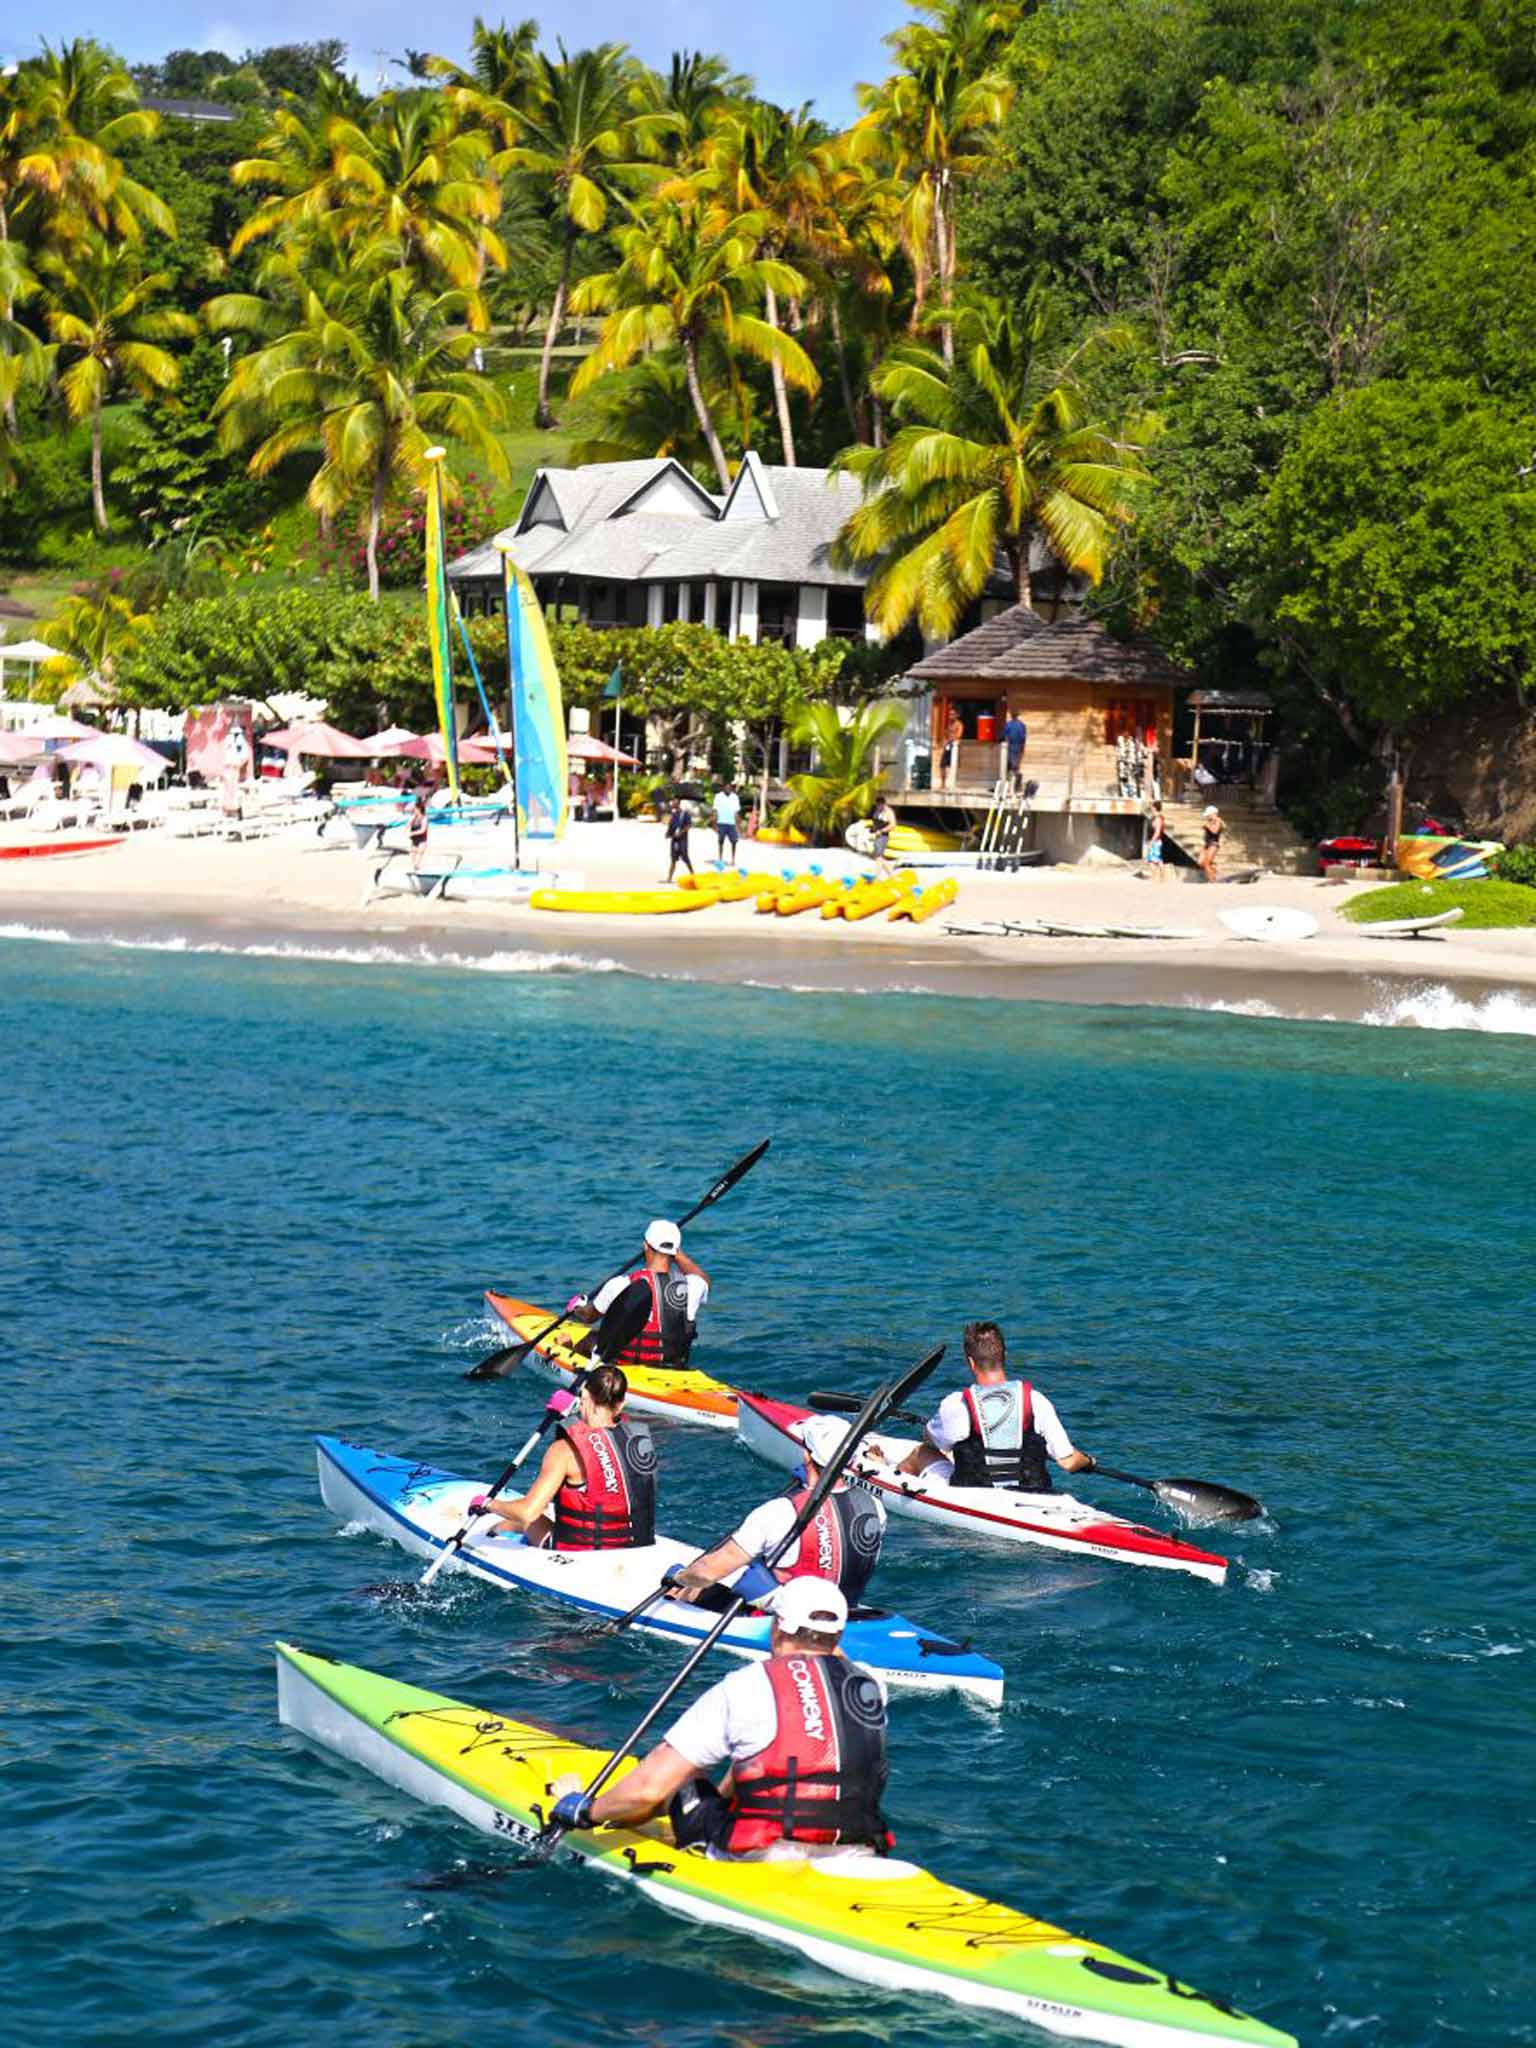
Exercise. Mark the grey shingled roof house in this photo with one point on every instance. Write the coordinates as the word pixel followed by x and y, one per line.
pixel 644 543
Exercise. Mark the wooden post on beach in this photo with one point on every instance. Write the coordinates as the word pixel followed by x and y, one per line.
pixel 1394 811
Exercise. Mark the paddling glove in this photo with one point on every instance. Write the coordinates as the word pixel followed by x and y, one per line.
pixel 574 1810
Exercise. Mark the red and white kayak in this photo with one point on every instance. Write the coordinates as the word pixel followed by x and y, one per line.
pixel 1054 1521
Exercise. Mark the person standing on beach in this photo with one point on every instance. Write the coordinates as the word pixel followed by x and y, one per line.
pixel 882 820
pixel 727 814
pixel 1015 739
pixel 1210 852
pixel 679 824
pixel 1152 851
pixel 997 1431
pixel 417 828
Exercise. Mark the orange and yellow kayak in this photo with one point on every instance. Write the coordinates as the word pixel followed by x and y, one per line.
pixel 685 1396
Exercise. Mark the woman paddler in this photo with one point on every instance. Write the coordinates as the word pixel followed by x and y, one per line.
pixel 804 1737
pixel 598 1478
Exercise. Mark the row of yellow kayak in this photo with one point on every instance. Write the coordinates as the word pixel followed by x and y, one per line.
pixel 900 895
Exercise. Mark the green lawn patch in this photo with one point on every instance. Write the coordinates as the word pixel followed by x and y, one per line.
pixel 1485 906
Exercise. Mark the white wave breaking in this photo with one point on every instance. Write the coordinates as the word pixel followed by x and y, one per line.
pixel 1439 1008
pixel 516 960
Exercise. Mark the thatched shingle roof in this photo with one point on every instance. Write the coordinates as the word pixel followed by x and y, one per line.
pixel 1019 646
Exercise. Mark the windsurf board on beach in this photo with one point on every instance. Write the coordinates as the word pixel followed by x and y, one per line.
pixel 1413 927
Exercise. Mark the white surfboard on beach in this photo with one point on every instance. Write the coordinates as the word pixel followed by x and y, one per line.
pixel 1412 927
pixel 1273 927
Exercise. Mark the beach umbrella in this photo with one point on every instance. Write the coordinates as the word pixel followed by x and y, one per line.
pixel 116 750
pixel 16 747
pixel 429 747
pixel 582 746
pixel 389 741
pixel 56 727
pixel 314 736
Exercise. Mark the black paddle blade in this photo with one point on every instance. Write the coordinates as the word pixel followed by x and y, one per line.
pixel 499 1363
pixel 727 1180
pixel 850 1404
pixel 1199 1500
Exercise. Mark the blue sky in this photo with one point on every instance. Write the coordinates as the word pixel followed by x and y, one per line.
pixel 796 49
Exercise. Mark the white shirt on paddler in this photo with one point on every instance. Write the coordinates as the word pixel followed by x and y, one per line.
pixel 952 1425
pixel 609 1292
pixel 734 1720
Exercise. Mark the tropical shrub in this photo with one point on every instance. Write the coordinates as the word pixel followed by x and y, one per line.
pixel 845 782
pixel 1518 864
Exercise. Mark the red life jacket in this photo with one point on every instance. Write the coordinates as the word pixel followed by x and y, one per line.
pixel 841 1542
pixel 667 1337
pixel 614 1505
pixel 821 1777
pixel 1004 1448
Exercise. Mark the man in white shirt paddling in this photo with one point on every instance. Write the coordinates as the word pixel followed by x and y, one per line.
pixel 803 1735
pixel 841 1543
pixel 648 1316
pixel 997 1431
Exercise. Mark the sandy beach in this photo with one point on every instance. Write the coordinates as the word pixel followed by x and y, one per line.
pixel 292 892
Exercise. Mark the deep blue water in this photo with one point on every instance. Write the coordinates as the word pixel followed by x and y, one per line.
pixel 246 1200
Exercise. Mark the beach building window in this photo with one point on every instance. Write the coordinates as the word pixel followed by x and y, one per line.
pixel 778 610
pixel 671 603
pixel 845 614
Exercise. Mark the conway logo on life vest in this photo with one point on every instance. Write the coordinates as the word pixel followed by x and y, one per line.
pixel 826 1548
pixel 604 1456
pixel 808 1694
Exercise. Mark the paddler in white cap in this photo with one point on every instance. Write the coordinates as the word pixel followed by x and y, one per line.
pixel 648 1316
pixel 803 1735
pixel 841 1542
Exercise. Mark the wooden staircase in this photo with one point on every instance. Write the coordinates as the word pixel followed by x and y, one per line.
pixel 1256 836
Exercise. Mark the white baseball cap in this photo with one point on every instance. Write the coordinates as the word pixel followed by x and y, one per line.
pixel 810 1607
pixel 663 1237
pixel 822 1435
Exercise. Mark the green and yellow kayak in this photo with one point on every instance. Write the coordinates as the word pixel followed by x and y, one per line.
pixel 879 1920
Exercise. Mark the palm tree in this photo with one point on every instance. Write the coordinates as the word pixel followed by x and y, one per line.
pixel 22 357
pixel 847 778
pixel 935 122
pixel 641 410
pixel 411 170
pixel 296 161
pixel 695 91
pixel 104 324
pixel 86 110
pixel 766 160
pixel 684 279
pixel 994 449
pixel 92 631
pixel 365 366
pixel 585 132
pixel 496 82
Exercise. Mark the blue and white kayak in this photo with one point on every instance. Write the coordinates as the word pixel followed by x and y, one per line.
pixel 422 1509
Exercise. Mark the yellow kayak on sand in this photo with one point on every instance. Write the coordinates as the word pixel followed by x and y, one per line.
pixel 924 902
pixel 622 902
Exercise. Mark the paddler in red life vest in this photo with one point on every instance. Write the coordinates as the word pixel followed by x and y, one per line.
pixel 667 1291
pixel 996 1432
pixel 802 1733
pixel 596 1489
pixel 841 1543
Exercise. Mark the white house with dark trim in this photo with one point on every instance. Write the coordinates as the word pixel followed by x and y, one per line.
pixel 644 543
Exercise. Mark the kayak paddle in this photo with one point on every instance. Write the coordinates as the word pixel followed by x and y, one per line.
pixel 849 1404
pixel 499 1363
pixel 636 1322
pixel 1197 1500
pixel 870 1416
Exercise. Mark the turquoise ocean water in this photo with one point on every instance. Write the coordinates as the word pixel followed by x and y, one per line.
pixel 246 1200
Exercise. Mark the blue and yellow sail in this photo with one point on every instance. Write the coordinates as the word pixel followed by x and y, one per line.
pixel 538 714
pixel 437 620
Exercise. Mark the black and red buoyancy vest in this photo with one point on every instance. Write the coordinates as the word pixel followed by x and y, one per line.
pixel 1004 1448
pixel 841 1542
pixel 667 1337
pixel 820 1779
pixel 614 1505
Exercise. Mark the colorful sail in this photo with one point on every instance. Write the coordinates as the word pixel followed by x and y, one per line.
pixel 437 620
pixel 538 715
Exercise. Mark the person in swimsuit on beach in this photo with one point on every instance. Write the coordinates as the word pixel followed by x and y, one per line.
pixel 1152 853
pixel 1211 851
pixel 882 821
pixel 679 824
pixel 418 828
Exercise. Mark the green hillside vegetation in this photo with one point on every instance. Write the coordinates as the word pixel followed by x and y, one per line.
pixel 1232 308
